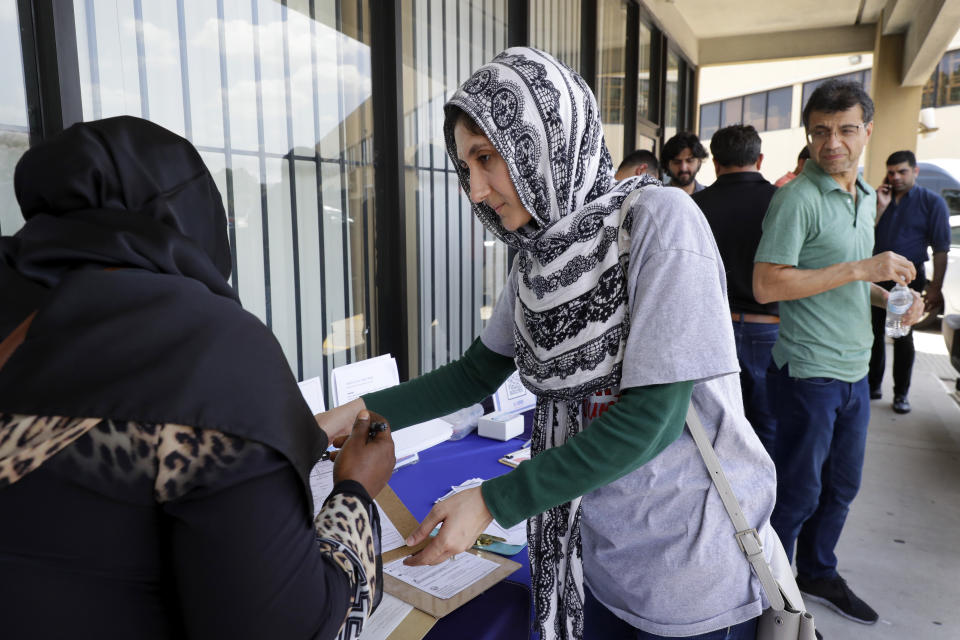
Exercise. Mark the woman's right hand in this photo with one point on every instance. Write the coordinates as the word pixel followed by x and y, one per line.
pixel 367 460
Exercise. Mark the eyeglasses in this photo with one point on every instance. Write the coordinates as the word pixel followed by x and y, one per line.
pixel 845 132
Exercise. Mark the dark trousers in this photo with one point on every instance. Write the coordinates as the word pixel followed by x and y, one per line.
pixel 903 351
pixel 754 344
pixel 821 438
pixel 599 623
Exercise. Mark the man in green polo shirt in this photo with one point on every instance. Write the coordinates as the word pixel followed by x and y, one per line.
pixel 815 258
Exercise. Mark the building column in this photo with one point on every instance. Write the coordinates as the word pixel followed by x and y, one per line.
pixel 897 107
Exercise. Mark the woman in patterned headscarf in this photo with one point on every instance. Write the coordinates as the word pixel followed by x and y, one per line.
pixel 615 314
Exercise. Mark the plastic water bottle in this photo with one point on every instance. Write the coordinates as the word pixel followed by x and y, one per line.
pixel 898 302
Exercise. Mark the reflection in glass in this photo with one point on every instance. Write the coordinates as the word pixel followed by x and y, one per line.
pixel 555 28
pixel 277 97
pixel 709 120
pixel 672 95
pixel 779 104
pixel 453 274
pixel 610 73
pixel 731 111
pixel 755 110
pixel 643 73
pixel 14 131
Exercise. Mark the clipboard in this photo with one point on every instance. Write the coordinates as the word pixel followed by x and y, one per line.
pixel 428 608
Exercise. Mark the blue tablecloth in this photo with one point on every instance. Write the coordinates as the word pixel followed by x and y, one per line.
pixel 500 612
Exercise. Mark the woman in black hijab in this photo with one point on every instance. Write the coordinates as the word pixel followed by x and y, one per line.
pixel 154 446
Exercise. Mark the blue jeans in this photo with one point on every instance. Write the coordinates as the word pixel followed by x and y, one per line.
pixel 821 437
pixel 599 623
pixel 754 343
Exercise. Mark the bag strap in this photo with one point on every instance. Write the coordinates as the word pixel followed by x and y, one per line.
pixel 747 536
pixel 15 339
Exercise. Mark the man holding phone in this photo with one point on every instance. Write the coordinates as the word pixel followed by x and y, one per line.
pixel 910 218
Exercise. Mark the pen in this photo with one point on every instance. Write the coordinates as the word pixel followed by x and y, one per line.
pixel 375 428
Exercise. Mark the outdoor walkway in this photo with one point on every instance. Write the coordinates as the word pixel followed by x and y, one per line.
pixel 900 549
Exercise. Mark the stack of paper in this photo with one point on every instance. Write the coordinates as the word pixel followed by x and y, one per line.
pixel 353 380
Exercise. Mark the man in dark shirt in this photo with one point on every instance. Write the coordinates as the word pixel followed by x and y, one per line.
pixel 910 218
pixel 734 206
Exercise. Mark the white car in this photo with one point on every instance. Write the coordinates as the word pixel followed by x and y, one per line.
pixel 943 177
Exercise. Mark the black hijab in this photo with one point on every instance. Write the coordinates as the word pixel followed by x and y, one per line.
pixel 125 254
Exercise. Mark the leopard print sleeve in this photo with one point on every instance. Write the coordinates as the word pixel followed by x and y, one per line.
pixel 348 530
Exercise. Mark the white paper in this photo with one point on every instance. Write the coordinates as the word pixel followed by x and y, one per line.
pixel 321 484
pixel 312 392
pixel 418 437
pixel 513 397
pixel 463 486
pixel 444 580
pixel 517 534
pixel 386 618
pixel 353 380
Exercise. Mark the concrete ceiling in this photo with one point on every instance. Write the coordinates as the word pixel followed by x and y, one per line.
pixel 715 19
pixel 731 31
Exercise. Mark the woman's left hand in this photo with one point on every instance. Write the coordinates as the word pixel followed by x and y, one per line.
pixel 464 516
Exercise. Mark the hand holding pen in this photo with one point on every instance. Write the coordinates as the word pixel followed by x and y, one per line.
pixel 367 455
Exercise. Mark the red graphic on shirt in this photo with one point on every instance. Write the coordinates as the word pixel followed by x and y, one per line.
pixel 600 401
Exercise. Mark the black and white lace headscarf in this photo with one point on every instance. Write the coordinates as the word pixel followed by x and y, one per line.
pixel 572 315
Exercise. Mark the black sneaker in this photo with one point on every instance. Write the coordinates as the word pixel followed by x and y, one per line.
pixel 901 404
pixel 876 394
pixel 835 593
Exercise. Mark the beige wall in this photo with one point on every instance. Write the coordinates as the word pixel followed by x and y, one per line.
pixel 780 148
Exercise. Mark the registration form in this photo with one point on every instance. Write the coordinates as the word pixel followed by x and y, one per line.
pixel 321 484
pixel 446 579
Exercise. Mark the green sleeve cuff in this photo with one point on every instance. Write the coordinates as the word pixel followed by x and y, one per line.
pixel 643 422
pixel 470 379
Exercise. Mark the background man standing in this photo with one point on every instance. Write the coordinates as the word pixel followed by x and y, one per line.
pixel 682 156
pixel 734 206
pixel 802 157
pixel 637 163
pixel 910 219
pixel 815 257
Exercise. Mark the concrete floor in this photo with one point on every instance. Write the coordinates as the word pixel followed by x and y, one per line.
pixel 900 549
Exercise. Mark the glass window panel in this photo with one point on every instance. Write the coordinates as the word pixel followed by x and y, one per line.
pixel 611 74
pixel 161 45
pixel 779 104
pixel 672 102
pixel 645 142
pixel 808 89
pixel 950 79
pixel 731 111
pixel 300 47
pixel 283 275
pixel 249 77
pixel 709 120
pixel 14 134
pixel 555 28
pixel 754 110
pixel 443 42
pixel 310 244
pixel 204 56
pixel 110 57
pixel 241 76
pixel 273 118
pixel 645 45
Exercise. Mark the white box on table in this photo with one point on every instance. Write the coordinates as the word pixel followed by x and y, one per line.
pixel 500 425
